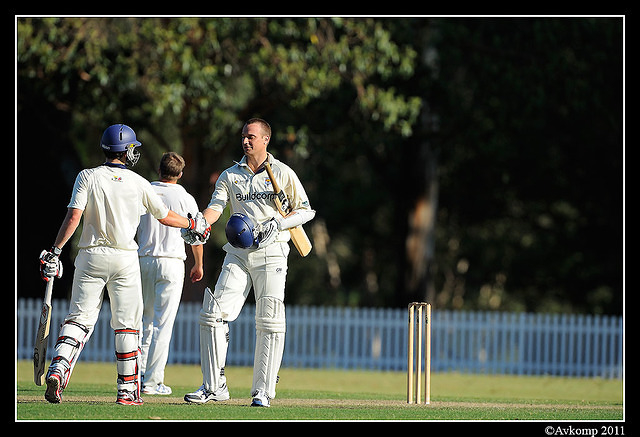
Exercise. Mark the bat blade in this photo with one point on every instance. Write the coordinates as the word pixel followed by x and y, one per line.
pixel 42 337
pixel 300 240
pixel 298 235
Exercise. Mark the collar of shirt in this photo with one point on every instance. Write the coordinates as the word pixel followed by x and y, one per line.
pixel 113 164
pixel 243 163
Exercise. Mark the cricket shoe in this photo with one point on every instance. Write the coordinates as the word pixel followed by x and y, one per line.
pixel 203 395
pixel 53 393
pixel 126 397
pixel 159 389
pixel 260 399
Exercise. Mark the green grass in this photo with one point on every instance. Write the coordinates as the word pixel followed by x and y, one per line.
pixel 327 395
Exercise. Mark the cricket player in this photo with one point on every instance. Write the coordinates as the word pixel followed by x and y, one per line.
pixel 109 199
pixel 260 263
pixel 162 255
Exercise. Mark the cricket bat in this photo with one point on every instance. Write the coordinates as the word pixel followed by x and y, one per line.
pixel 298 235
pixel 42 337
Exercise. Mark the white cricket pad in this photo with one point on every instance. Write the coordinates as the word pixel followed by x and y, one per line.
pixel 270 333
pixel 127 343
pixel 214 342
pixel 71 340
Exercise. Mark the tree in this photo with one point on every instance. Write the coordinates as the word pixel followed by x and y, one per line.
pixel 531 163
pixel 189 84
pixel 473 162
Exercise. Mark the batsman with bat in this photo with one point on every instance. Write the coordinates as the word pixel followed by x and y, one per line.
pixel 109 199
pixel 258 232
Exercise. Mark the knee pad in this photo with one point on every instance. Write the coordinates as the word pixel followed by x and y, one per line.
pixel 127 342
pixel 210 313
pixel 71 340
pixel 270 315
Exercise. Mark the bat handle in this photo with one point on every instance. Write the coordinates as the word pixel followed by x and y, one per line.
pixel 48 291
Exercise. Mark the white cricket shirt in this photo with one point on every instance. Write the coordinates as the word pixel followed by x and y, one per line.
pixel 252 194
pixel 156 239
pixel 111 198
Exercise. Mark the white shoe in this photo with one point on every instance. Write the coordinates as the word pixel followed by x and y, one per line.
pixel 260 399
pixel 203 395
pixel 159 389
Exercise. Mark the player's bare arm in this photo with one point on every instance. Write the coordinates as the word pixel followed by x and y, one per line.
pixel 211 215
pixel 197 271
pixel 175 220
pixel 68 227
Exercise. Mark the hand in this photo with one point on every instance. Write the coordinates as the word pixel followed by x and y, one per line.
pixel 196 273
pixel 267 232
pixel 199 227
pixel 189 237
pixel 198 224
pixel 50 265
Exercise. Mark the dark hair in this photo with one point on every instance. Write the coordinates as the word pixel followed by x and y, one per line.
pixel 122 156
pixel 171 165
pixel 266 128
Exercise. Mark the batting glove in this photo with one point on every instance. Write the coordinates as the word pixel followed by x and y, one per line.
pixel 189 237
pixel 267 232
pixel 199 227
pixel 50 264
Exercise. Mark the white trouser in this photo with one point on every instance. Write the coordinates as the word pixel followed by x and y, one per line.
pixel 265 271
pixel 95 269
pixel 162 282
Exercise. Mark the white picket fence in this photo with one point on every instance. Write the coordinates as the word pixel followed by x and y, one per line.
pixel 365 338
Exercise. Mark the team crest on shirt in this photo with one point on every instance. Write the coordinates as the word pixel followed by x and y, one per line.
pixel 267 183
pixel 239 181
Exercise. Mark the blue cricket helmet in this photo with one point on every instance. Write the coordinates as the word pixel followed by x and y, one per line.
pixel 240 232
pixel 121 138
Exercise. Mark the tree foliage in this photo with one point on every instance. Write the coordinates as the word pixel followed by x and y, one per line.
pixel 473 162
